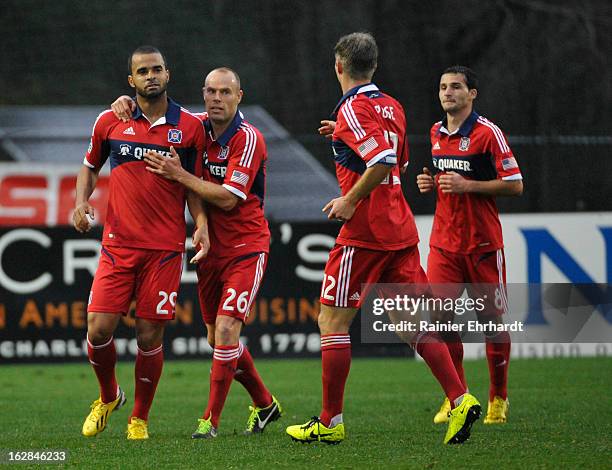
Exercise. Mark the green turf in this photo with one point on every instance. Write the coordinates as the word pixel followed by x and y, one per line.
pixel 560 416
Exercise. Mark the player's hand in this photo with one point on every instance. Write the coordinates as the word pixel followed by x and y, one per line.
pixel 340 209
pixel 202 241
pixel 452 182
pixel 327 128
pixel 82 217
pixel 169 168
pixel 425 181
pixel 123 107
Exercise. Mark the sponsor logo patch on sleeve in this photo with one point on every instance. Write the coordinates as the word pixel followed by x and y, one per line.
pixel 240 178
pixel 367 146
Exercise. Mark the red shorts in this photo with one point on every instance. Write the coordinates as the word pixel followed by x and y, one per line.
pixel 486 271
pixel 152 277
pixel 228 286
pixel 349 267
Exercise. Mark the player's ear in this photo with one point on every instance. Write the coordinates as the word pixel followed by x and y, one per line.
pixel 473 93
pixel 131 81
pixel 338 66
pixel 167 75
pixel 240 95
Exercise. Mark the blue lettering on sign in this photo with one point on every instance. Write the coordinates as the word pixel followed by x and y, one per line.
pixel 541 242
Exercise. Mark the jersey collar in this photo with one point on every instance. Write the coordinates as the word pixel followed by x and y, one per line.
pixel 229 132
pixel 352 92
pixel 465 128
pixel 172 115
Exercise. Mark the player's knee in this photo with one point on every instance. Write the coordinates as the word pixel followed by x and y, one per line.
pixel 149 338
pixel 148 341
pixel 227 330
pixel 329 322
pixel 99 329
pixel 210 334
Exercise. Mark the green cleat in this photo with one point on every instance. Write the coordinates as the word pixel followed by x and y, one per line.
pixel 461 420
pixel 261 417
pixel 314 430
pixel 205 430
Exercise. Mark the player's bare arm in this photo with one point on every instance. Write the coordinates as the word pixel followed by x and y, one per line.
pixel 83 211
pixel 342 208
pixel 425 181
pixel 452 182
pixel 172 169
pixel 200 238
pixel 123 107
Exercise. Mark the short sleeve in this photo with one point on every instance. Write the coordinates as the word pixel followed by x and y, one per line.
pixel 98 149
pixel 358 128
pixel 506 165
pixel 199 143
pixel 247 153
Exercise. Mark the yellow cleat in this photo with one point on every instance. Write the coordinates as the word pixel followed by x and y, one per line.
pixel 461 420
pixel 498 411
pixel 137 429
pixel 261 417
pixel 442 415
pixel 98 416
pixel 314 430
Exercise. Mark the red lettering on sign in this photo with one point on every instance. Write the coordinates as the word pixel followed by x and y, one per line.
pixel 24 208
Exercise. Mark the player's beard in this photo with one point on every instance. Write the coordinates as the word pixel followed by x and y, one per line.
pixel 143 92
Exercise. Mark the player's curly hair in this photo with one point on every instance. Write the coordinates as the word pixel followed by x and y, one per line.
pixel 358 53
pixel 471 79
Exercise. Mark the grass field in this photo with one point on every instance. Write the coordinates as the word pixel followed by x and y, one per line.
pixel 560 417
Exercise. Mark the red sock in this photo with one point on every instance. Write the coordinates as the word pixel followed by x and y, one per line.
pixel 147 372
pixel 225 359
pixel 336 363
pixel 247 375
pixel 435 353
pixel 455 348
pixel 498 357
pixel 103 358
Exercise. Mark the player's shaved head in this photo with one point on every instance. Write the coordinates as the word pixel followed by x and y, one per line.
pixel 358 53
pixel 142 50
pixel 225 70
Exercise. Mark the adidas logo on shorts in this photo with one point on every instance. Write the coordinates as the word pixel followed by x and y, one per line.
pixel 355 296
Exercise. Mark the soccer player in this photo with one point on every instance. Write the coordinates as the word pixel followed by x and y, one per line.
pixel 377 243
pixel 473 164
pixel 144 234
pixel 230 276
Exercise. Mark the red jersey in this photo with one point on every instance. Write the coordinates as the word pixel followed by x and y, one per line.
pixel 237 161
pixel 145 210
pixel 371 129
pixel 469 223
